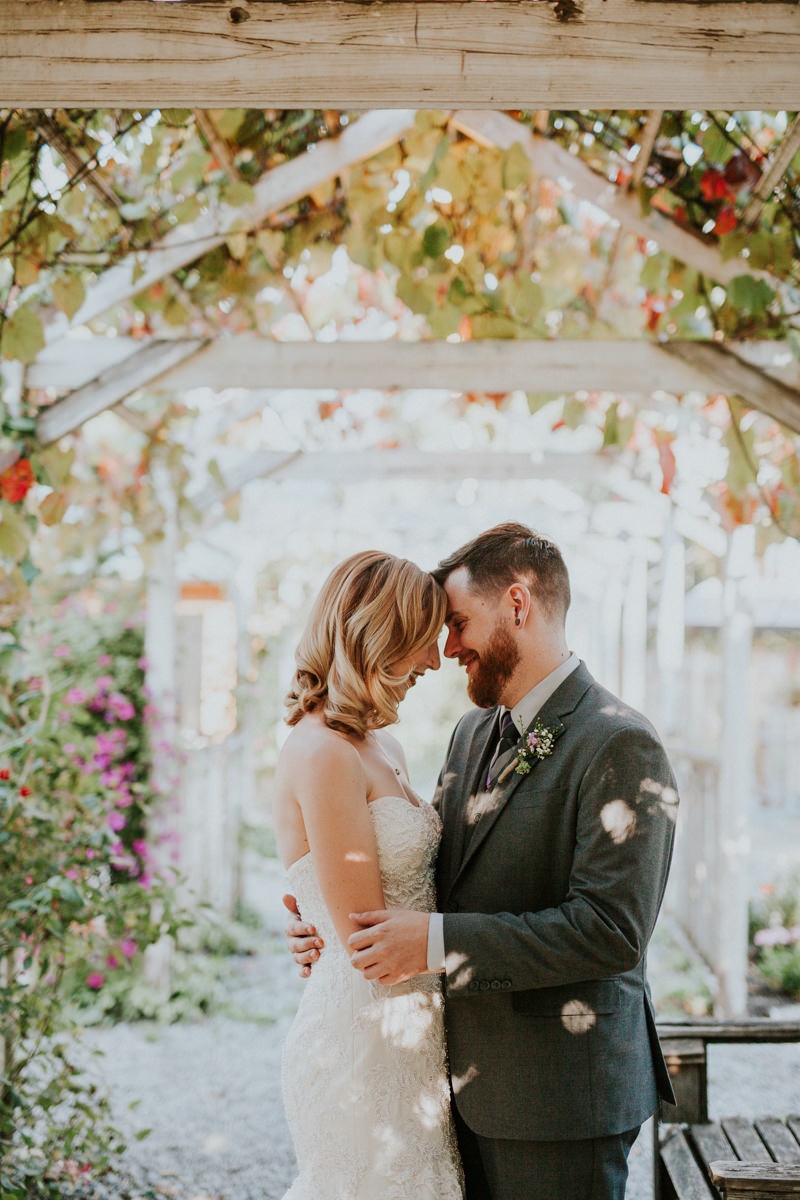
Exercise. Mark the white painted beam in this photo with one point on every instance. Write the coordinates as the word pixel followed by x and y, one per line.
pixel 252 363
pixel 497 366
pixel 360 466
pixel 111 387
pixel 583 54
pixel 734 376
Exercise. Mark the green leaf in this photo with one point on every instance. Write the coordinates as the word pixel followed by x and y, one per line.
pixel 716 146
pixel 435 239
pixel 68 294
pixel 14 534
pixel 750 296
pixel 57 465
pixel 53 507
pixel 23 335
pixel 239 193
pixel 516 167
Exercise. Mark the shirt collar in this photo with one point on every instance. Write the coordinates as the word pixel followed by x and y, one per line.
pixel 524 713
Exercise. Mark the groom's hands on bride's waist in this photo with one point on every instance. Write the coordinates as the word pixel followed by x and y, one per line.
pixel 391 946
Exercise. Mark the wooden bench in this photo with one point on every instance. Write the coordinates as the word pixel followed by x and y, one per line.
pixel 734 1158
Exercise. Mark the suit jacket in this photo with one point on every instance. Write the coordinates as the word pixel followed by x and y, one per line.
pixel 550 885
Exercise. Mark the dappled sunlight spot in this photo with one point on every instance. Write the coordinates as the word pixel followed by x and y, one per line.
pixel 578 1017
pixel 665 796
pixel 428 1108
pixel 612 710
pixel 461 1081
pixel 700 871
pixel 215 1143
pixel 619 821
pixel 480 805
pixel 401 1028
pixel 355 856
pixel 455 965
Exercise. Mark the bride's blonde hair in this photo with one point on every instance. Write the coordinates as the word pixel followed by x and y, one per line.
pixel 373 610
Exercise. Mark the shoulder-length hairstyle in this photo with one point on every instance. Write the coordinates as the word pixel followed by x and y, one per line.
pixel 373 610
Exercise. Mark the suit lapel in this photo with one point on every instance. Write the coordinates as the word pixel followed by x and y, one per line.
pixel 480 809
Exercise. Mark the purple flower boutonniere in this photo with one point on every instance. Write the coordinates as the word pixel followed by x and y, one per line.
pixel 535 745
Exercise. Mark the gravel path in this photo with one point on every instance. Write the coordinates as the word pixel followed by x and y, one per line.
pixel 210 1091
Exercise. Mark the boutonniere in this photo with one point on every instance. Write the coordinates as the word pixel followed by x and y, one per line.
pixel 535 744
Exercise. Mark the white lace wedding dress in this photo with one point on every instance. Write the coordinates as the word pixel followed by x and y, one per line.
pixel 364 1070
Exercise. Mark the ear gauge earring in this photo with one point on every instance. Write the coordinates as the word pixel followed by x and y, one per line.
pixel 516 620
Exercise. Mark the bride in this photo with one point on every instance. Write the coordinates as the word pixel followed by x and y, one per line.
pixel 365 1082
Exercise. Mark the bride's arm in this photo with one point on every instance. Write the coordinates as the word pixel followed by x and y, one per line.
pixel 330 787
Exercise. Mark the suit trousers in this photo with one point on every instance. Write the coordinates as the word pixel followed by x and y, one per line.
pixel 506 1169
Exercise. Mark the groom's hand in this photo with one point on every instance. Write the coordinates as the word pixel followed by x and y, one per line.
pixel 302 938
pixel 391 946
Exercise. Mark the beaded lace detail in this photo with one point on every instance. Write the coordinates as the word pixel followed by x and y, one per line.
pixel 364 1069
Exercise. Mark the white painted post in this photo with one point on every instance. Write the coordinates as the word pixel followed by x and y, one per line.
pixel 634 632
pixel 160 652
pixel 730 826
pixel 671 628
pixel 611 617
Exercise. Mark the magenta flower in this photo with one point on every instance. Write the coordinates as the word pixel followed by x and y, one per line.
pixel 121 706
pixel 62 651
pixel 105 682
pixel 104 660
pixel 75 695
pixel 69 747
pixel 128 947
pixel 146 880
pixel 95 980
pixel 112 961
pixel 90 853
pixel 116 821
pixel 140 847
pixel 143 664
pixel 72 874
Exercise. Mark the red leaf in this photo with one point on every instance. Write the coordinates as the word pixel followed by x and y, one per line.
pixel 726 220
pixel 666 459
pixel 714 186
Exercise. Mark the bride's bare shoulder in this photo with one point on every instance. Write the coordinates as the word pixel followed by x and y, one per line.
pixel 314 746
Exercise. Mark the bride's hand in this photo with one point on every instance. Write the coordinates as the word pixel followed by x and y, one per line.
pixel 302 939
pixel 391 945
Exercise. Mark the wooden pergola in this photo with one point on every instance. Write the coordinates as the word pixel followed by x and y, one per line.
pixel 477 60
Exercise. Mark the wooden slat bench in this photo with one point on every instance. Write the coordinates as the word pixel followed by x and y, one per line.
pixel 731 1159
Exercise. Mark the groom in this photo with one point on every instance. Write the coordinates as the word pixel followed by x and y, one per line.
pixel 558 805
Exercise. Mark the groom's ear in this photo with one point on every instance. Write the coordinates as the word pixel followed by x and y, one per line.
pixel 518 598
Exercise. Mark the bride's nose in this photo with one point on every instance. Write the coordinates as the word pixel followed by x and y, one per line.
pixel 433 659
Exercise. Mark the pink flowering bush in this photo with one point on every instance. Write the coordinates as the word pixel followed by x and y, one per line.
pixel 80 898
pixel 775 935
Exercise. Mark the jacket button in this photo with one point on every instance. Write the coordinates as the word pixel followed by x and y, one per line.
pixel 496 985
pixel 484 985
pixel 506 985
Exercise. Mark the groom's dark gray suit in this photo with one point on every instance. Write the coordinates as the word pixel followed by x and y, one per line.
pixel 550 884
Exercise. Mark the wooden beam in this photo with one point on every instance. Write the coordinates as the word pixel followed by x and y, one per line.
pixel 278 188
pixel 646 144
pixel 314 54
pixel 550 159
pixel 726 372
pixel 359 466
pixel 110 388
pixel 774 172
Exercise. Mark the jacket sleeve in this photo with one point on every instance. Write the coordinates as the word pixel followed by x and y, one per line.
pixel 626 810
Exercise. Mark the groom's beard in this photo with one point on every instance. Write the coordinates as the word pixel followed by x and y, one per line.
pixel 495 666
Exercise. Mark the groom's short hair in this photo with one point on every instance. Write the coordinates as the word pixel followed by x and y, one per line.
pixel 507 553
